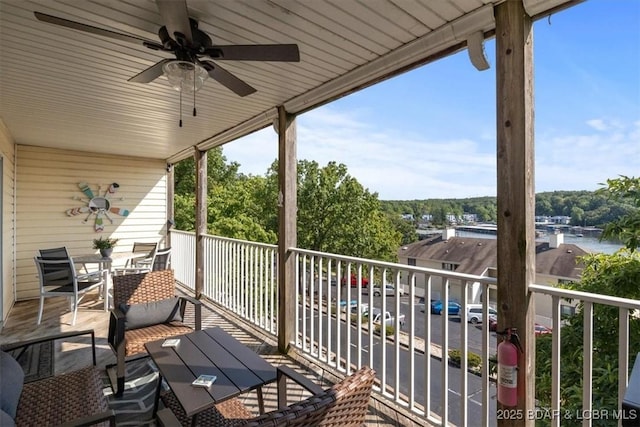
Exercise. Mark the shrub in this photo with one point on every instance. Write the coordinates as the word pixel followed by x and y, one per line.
pixel 473 360
pixel 388 331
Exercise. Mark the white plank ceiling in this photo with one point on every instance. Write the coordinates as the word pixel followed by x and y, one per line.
pixel 68 89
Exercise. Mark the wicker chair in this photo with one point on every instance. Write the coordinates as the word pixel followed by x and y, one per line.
pixel 158 313
pixel 72 398
pixel 343 405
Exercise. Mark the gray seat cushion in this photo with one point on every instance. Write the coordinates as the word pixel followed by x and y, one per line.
pixel 11 384
pixel 6 420
pixel 151 313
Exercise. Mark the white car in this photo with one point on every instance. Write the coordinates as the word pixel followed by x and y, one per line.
pixel 474 313
pixel 389 290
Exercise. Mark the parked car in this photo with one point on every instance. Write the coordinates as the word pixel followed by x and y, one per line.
pixel 343 304
pixel 541 329
pixel 493 322
pixel 364 308
pixel 453 309
pixel 364 282
pixel 389 319
pixel 389 290
pixel 474 313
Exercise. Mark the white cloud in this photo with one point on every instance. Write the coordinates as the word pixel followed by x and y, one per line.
pixel 391 162
pixel 584 161
pixel 597 124
pixel 402 164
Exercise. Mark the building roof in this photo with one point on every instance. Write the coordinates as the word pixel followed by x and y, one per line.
pixel 477 255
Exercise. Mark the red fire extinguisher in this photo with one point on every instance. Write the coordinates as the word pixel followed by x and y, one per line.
pixel 508 367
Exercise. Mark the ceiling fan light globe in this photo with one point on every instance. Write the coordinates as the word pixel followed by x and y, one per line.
pixel 185 76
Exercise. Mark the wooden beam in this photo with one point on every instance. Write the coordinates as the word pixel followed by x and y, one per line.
pixel 201 216
pixel 171 187
pixel 516 195
pixel 287 233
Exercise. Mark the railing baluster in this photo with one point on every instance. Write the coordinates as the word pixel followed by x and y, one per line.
pixel 464 344
pixel 555 361
pixel 623 354
pixel 485 354
pixel 587 365
pixel 427 347
pixel 445 352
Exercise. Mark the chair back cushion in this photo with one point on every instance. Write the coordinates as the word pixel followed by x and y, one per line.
pixel 343 405
pixel 151 313
pixel 140 288
pixel 55 271
pixel 11 384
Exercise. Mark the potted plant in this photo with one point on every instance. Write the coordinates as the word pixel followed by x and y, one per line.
pixel 105 245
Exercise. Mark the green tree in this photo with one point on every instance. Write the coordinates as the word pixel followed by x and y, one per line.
pixel 577 215
pixel 617 274
pixel 626 227
pixel 337 215
pixel 406 228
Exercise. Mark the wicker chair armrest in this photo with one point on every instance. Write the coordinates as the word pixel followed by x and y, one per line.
pixel 197 306
pixel 94 419
pixel 166 418
pixel 284 372
pixel 116 328
pixel 25 344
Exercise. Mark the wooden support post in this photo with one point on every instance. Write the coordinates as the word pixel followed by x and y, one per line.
pixel 516 195
pixel 201 217
pixel 287 233
pixel 171 187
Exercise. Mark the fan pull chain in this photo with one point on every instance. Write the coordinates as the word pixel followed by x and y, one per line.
pixel 194 91
pixel 180 108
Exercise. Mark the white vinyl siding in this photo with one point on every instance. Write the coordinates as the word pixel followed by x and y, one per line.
pixel 47 186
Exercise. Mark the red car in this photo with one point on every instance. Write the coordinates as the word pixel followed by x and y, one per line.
pixel 541 329
pixel 354 281
pixel 493 323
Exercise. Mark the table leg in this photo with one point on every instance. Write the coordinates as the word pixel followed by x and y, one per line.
pixel 157 398
pixel 260 400
pixel 105 288
pixel 105 266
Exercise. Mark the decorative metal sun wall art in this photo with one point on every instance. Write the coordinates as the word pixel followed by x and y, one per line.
pixel 97 205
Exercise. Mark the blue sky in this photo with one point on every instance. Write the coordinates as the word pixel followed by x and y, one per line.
pixel 430 133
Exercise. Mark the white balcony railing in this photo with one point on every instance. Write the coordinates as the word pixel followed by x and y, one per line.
pixel 242 276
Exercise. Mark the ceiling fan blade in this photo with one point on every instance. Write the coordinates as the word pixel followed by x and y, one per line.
pixel 256 52
pixel 95 30
pixel 227 79
pixel 150 74
pixel 175 16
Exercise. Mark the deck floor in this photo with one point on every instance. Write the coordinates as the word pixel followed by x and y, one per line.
pixel 21 325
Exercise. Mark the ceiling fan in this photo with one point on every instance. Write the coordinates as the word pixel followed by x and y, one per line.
pixel 180 35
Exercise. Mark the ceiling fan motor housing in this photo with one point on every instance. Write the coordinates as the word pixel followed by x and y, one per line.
pixel 179 44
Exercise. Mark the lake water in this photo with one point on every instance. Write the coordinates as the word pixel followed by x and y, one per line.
pixel 587 243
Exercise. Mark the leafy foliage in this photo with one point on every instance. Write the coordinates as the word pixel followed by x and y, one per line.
pixel 617 274
pixel 627 227
pixel 584 207
pixel 473 360
pixel 335 213
pixel 104 243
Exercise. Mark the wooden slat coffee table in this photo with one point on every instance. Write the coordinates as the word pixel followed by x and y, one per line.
pixel 211 352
